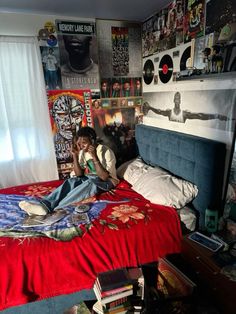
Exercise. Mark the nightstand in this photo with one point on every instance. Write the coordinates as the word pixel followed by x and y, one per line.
pixel 208 273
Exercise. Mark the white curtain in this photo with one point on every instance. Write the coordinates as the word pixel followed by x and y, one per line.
pixel 26 142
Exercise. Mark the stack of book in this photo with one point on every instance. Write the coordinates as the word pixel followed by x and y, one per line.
pixel 112 290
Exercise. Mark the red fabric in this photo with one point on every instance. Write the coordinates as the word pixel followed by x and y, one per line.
pixel 37 268
pixel 33 189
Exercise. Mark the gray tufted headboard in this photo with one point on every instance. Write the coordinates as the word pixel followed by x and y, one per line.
pixel 198 160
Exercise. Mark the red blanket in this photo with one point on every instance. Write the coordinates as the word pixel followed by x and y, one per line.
pixel 124 235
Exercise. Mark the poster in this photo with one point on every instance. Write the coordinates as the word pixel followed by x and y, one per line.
pixel 120 50
pixel 121 87
pixel 51 67
pixel 115 126
pixel 218 14
pixel 194 20
pixel 78 49
pixel 130 44
pixel 196 112
pixel 69 111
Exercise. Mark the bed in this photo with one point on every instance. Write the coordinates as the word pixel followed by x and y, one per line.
pixel 125 229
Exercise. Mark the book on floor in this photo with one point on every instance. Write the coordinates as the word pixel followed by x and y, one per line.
pixel 120 309
pixel 112 297
pixel 108 293
pixel 113 279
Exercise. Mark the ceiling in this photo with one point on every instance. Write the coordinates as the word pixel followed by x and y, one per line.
pixel 132 10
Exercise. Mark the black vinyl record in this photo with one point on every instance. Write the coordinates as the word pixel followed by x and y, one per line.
pixel 184 58
pixel 148 71
pixel 165 68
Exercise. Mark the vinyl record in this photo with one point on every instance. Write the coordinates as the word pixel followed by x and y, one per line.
pixel 165 68
pixel 184 58
pixel 148 71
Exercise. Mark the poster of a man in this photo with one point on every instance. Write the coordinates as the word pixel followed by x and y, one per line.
pixel 50 60
pixel 205 113
pixel 176 114
pixel 78 55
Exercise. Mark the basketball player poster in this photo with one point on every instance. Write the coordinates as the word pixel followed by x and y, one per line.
pixel 197 112
pixel 69 111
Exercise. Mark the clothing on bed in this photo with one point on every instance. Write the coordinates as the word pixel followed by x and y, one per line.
pixel 74 190
pixel 79 187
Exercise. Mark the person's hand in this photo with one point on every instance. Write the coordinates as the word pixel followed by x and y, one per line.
pixel 145 108
pixel 92 151
pixel 75 149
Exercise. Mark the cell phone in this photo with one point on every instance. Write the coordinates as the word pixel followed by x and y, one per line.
pixel 205 241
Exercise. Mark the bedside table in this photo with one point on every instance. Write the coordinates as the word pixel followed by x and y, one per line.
pixel 220 287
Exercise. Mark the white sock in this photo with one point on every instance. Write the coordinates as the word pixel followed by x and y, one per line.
pixel 33 209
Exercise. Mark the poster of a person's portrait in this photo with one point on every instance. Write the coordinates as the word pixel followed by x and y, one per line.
pixel 78 55
pixel 186 111
pixel 51 67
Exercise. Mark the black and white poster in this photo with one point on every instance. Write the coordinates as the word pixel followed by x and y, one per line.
pixel 206 113
pixel 77 43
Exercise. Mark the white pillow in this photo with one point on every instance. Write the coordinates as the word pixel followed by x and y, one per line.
pixel 188 217
pixel 160 187
pixel 132 170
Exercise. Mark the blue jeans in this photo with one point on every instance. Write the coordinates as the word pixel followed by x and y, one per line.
pixel 74 190
pixel 51 79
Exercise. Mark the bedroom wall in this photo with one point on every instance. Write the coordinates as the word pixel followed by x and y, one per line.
pixel 180 59
pixel 115 50
pixel 200 95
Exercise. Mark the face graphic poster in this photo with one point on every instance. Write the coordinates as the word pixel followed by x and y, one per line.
pixel 78 49
pixel 69 111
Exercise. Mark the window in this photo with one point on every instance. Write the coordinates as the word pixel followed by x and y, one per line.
pixel 26 144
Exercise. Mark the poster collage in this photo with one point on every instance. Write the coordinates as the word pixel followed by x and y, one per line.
pixel 210 23
pixel 77 96
pixel 199 35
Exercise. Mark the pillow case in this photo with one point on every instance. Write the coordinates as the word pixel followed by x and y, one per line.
pixel 161 187
pixel 188 217
pixel 132 170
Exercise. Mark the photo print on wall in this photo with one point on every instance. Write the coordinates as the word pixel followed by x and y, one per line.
pixel 187 112
pixel 78 54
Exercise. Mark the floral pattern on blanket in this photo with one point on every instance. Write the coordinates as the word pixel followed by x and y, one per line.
pixel 116 209
pixel 117 217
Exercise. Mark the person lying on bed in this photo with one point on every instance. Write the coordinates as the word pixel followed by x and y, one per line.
pixel 94 172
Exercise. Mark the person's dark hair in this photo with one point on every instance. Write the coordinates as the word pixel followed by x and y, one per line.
pixel 86 131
